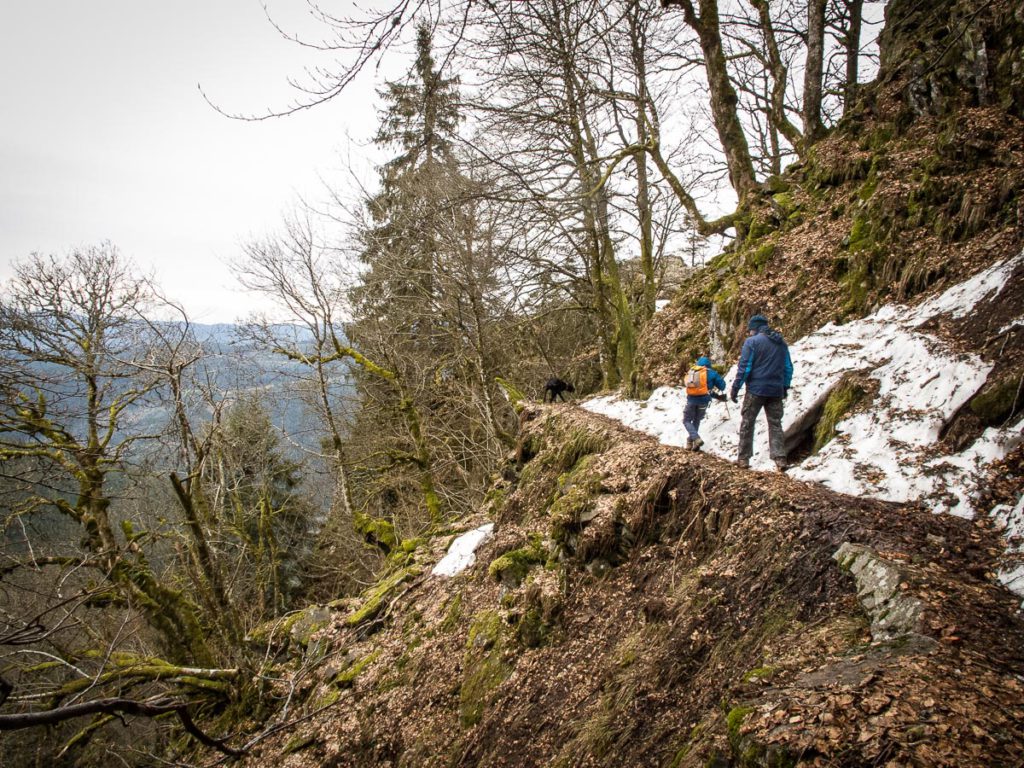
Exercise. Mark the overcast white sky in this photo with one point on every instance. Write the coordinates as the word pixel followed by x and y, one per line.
pixel 105 136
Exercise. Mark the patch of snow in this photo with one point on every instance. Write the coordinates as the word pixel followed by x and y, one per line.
pixel 660 304
pixel 887 450
pixel 462 551
pixel 959 300
pixel 1012 523
pixel 1015 324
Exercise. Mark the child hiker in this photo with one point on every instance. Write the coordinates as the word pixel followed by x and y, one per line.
pixel 700 380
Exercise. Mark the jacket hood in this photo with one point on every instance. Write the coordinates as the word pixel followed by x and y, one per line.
pixel 704 362
pixel 774 335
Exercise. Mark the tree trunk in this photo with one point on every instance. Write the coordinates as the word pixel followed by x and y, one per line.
pixel 813 127
pixel 851 42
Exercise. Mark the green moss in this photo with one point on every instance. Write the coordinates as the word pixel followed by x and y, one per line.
pixel 375 597
pixel 843 397
pixel 760 227
pixel 998 401
pixel 347 677
pixel 776 185
pixel 861 234
pixel 785 202
pixel 760 673
pixel 680 756
pixel 495 499
pixel 405 553
pixel 515 396
pixel 531 630
pixel 453 614
pixel 760 256
pixel 329 699
pixel 577 444
pixel 530 447
pixel 845 169
pixel 734 721
pixel 376 531
pixel 485 666
pixel 576 499
pixel 298 743
pixel 869 187
pixel 512 567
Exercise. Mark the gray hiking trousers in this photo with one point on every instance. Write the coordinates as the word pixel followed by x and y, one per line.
pixel 752 405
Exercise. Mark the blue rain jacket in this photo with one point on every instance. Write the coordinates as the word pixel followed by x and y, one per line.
pixel 765 366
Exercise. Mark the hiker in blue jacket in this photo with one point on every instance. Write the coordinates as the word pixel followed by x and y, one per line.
pixel 767 370
pixel 700 382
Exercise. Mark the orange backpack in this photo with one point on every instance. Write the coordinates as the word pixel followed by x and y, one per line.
pixel 696 381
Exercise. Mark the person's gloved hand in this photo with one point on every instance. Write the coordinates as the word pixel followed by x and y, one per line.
pixel 735 396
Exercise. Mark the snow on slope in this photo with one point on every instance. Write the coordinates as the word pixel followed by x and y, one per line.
pixel 886 451
pixel 462 551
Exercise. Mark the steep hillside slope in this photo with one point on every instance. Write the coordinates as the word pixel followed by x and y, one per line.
pixel 641 605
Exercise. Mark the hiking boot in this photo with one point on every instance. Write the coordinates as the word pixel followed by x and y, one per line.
pixel 781 465
pixel 689 443
pixel 696 443
pixel 743 463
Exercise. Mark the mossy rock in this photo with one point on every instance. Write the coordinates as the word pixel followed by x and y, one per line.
pixel 734 721
pixel 485 666
pixel 999 401
pixel 760 256
pixel 844 170
pixel 841 400
pixel 309 622
pixel 568 510
pixel 776 185
pixel 516 397
pixel 298 627
pixel 578 444
pixel 375 598
pixel 346 678
pixel 405 553
pixel 511 568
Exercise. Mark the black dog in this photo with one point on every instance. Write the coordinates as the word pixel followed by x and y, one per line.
pixel 557 388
